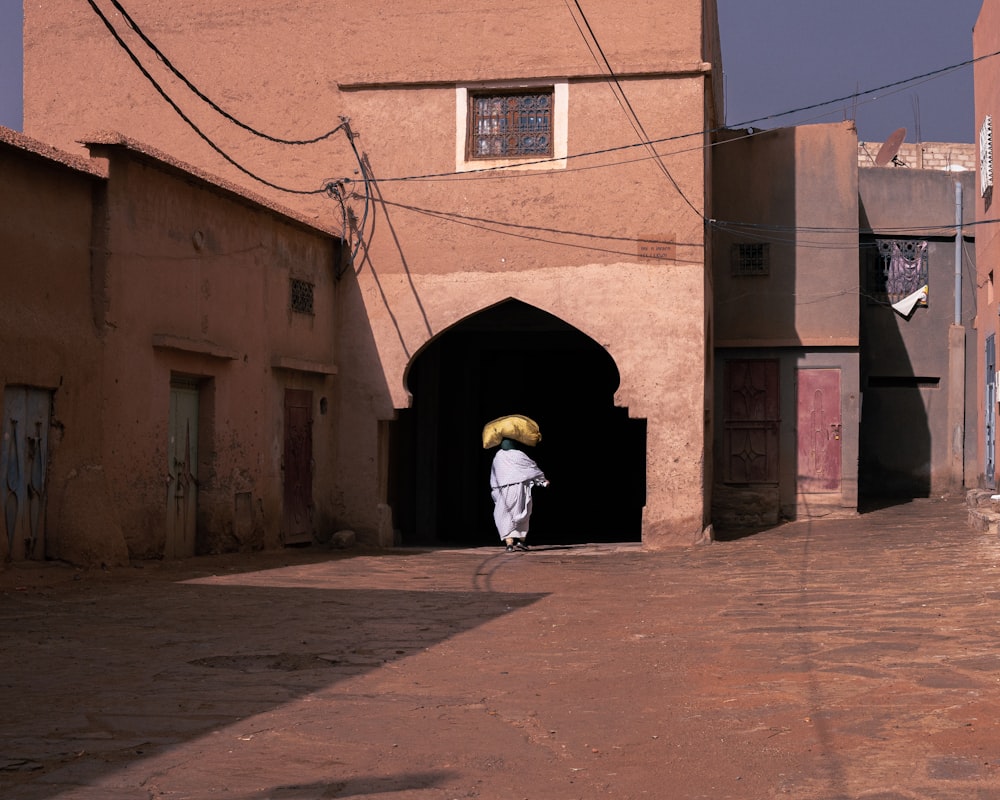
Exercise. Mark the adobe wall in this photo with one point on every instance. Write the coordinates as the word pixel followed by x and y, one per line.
pixel 50 341
pixel 566 239
pixel 198 286
pixel 659 353
pixel 795 190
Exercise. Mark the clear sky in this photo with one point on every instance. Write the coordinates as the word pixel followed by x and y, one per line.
pixel 778 55
pixel 10 63
pixel 784 54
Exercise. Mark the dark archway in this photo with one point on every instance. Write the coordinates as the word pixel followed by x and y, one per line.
pixel 513 358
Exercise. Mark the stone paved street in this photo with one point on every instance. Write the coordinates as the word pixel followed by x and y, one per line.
pixel 835 659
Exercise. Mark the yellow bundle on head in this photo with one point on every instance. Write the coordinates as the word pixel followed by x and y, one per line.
pixel 519 428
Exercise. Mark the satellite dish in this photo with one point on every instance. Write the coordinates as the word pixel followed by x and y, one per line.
pixel 887 152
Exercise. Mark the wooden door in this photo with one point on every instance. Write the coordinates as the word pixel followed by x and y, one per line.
pixel 182 469
pixel 752 420
pixel 23 462
pixel 298 499
pixel 819 430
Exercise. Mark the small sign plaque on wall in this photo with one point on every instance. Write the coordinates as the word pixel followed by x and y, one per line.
pixel 657 247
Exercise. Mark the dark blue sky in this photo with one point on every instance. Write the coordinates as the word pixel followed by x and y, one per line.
pixel 783 54
pixel 10 63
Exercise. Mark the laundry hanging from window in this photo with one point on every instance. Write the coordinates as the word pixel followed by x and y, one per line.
pixel 903 265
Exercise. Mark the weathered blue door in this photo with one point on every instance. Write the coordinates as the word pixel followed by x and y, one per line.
pixel 297 462
pixel 182 467
pixel 23 461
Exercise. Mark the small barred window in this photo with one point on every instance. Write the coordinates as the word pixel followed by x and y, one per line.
pixel 302 296
pixel 510 125
pixel 751 259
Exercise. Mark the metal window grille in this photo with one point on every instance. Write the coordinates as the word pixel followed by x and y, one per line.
pixel 986 157
pixel 751 259
pixel 510 125
pixel 302 296
pixel 897 268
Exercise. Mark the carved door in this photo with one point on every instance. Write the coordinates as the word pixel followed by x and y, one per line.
pixel 752 420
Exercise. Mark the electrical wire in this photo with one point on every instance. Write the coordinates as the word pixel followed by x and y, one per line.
pixel 536 233
pixel 211 103
pixel 177 109
pixel 331 188
pixel 470 173
pixel 335 188
pixel 633 118
pixel 746 124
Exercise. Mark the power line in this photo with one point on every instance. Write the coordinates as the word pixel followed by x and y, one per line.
pixel 647 142
pixel 162 92
pixel 705 132
pixel 331 188
pixel 536 233
pixel 181 77
pixel 750 231
pixel 633 118
pixel 334 188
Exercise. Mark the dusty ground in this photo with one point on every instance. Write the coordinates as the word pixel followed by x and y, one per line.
pixel 839 659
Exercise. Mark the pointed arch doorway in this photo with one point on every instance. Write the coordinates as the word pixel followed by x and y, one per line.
pixel 513 358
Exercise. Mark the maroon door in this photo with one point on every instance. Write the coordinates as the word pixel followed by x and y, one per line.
pixel 819 430
pixel 298 467
pixel 752 419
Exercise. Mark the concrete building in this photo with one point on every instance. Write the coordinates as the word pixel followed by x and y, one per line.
pixel 167 340
pixel 827 397
pixel 786 321
pixel 918 369
pixel 986 72
pixel 562 274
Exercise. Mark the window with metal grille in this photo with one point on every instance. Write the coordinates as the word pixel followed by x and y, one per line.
pixel 896 269
pixel 986 158
pixel 510 124
pixel 751 259
pixel 302 296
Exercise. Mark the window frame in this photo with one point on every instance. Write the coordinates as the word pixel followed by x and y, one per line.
pixel 464 162
pixel 878 263
pixel 986 159
pixel 509 115
pixel 298 289
pixel 742 265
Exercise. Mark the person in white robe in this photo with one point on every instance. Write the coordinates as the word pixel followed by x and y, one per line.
pixel 513 475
